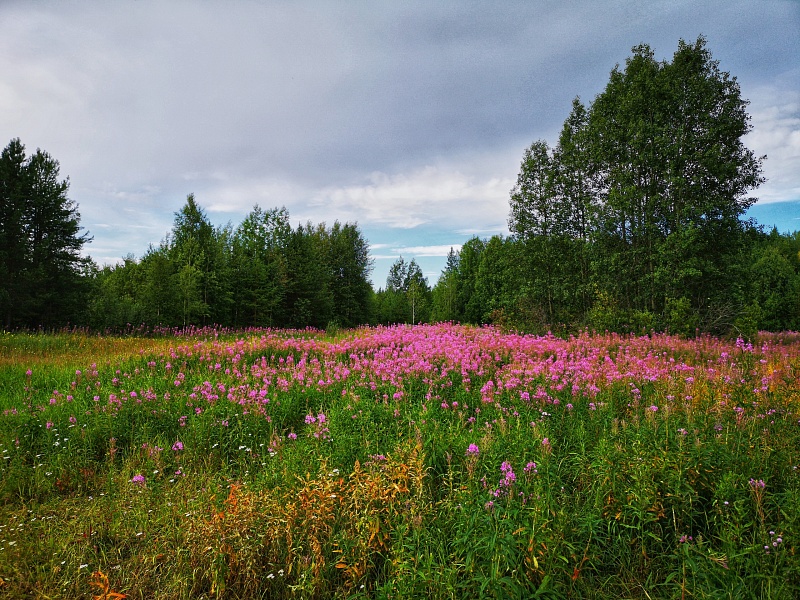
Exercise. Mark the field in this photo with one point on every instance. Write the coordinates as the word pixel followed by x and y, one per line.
pixel 407 462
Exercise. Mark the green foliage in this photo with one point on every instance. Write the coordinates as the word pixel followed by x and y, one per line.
pixel 260 267
pixel 679 317
pixel 350 266
pixel 632 222
pixel 43 278
pixel 444 296
pixel 260 274
pixel 407 297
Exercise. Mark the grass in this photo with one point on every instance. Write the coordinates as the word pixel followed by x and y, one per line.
pixel 433 461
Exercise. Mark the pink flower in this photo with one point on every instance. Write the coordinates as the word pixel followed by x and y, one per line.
pixel 177 446
pixel 473 450
pixel 138 479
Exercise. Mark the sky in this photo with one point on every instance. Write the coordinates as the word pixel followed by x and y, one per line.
pixel 408 118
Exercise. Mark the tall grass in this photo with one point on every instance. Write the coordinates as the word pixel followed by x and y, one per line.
pixel 433 461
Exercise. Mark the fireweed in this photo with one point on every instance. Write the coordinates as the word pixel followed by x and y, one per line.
pixel 439 461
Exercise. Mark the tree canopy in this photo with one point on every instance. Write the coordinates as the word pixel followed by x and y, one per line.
pixel 262 273
pixel 639 205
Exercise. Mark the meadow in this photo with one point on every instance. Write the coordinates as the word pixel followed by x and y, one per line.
pixel 435 461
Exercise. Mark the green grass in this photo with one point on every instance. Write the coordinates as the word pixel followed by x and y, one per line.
pixel 607 466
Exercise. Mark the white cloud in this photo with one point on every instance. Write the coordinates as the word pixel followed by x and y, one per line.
pixel 228 196
pixel 424 196
pixel 776 133
pixel 440 250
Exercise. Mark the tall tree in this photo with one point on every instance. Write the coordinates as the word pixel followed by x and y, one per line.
pixel 407 297
pixel 445 292
pixel 40 242
pixel 260 266
pixel 639 206
pixel 349 264
pixel 392 301
pixel 676 175
pixel 417 293
pixel 191 250
pixel 201 257
pixel 498 284
pixel 308 300
pixel 469 261
pixel 540 219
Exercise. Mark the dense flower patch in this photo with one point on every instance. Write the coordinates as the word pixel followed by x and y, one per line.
pixel 433 460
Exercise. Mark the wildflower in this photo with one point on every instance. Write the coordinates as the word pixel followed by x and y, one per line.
pixel 473 450
pixel 138 479
pixel 509 477
pixel 292 436
pixel 177 446
pixel 757 484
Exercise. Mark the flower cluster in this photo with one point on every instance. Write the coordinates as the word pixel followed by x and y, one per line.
pixel 320 428
pixel 507 480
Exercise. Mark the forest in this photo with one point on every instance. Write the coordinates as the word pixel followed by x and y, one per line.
pixel 631 222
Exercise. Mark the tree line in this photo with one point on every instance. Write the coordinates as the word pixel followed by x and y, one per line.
pixel 633 221
pixel 263 273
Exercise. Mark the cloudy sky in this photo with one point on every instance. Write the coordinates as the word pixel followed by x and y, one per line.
pixel 409 118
